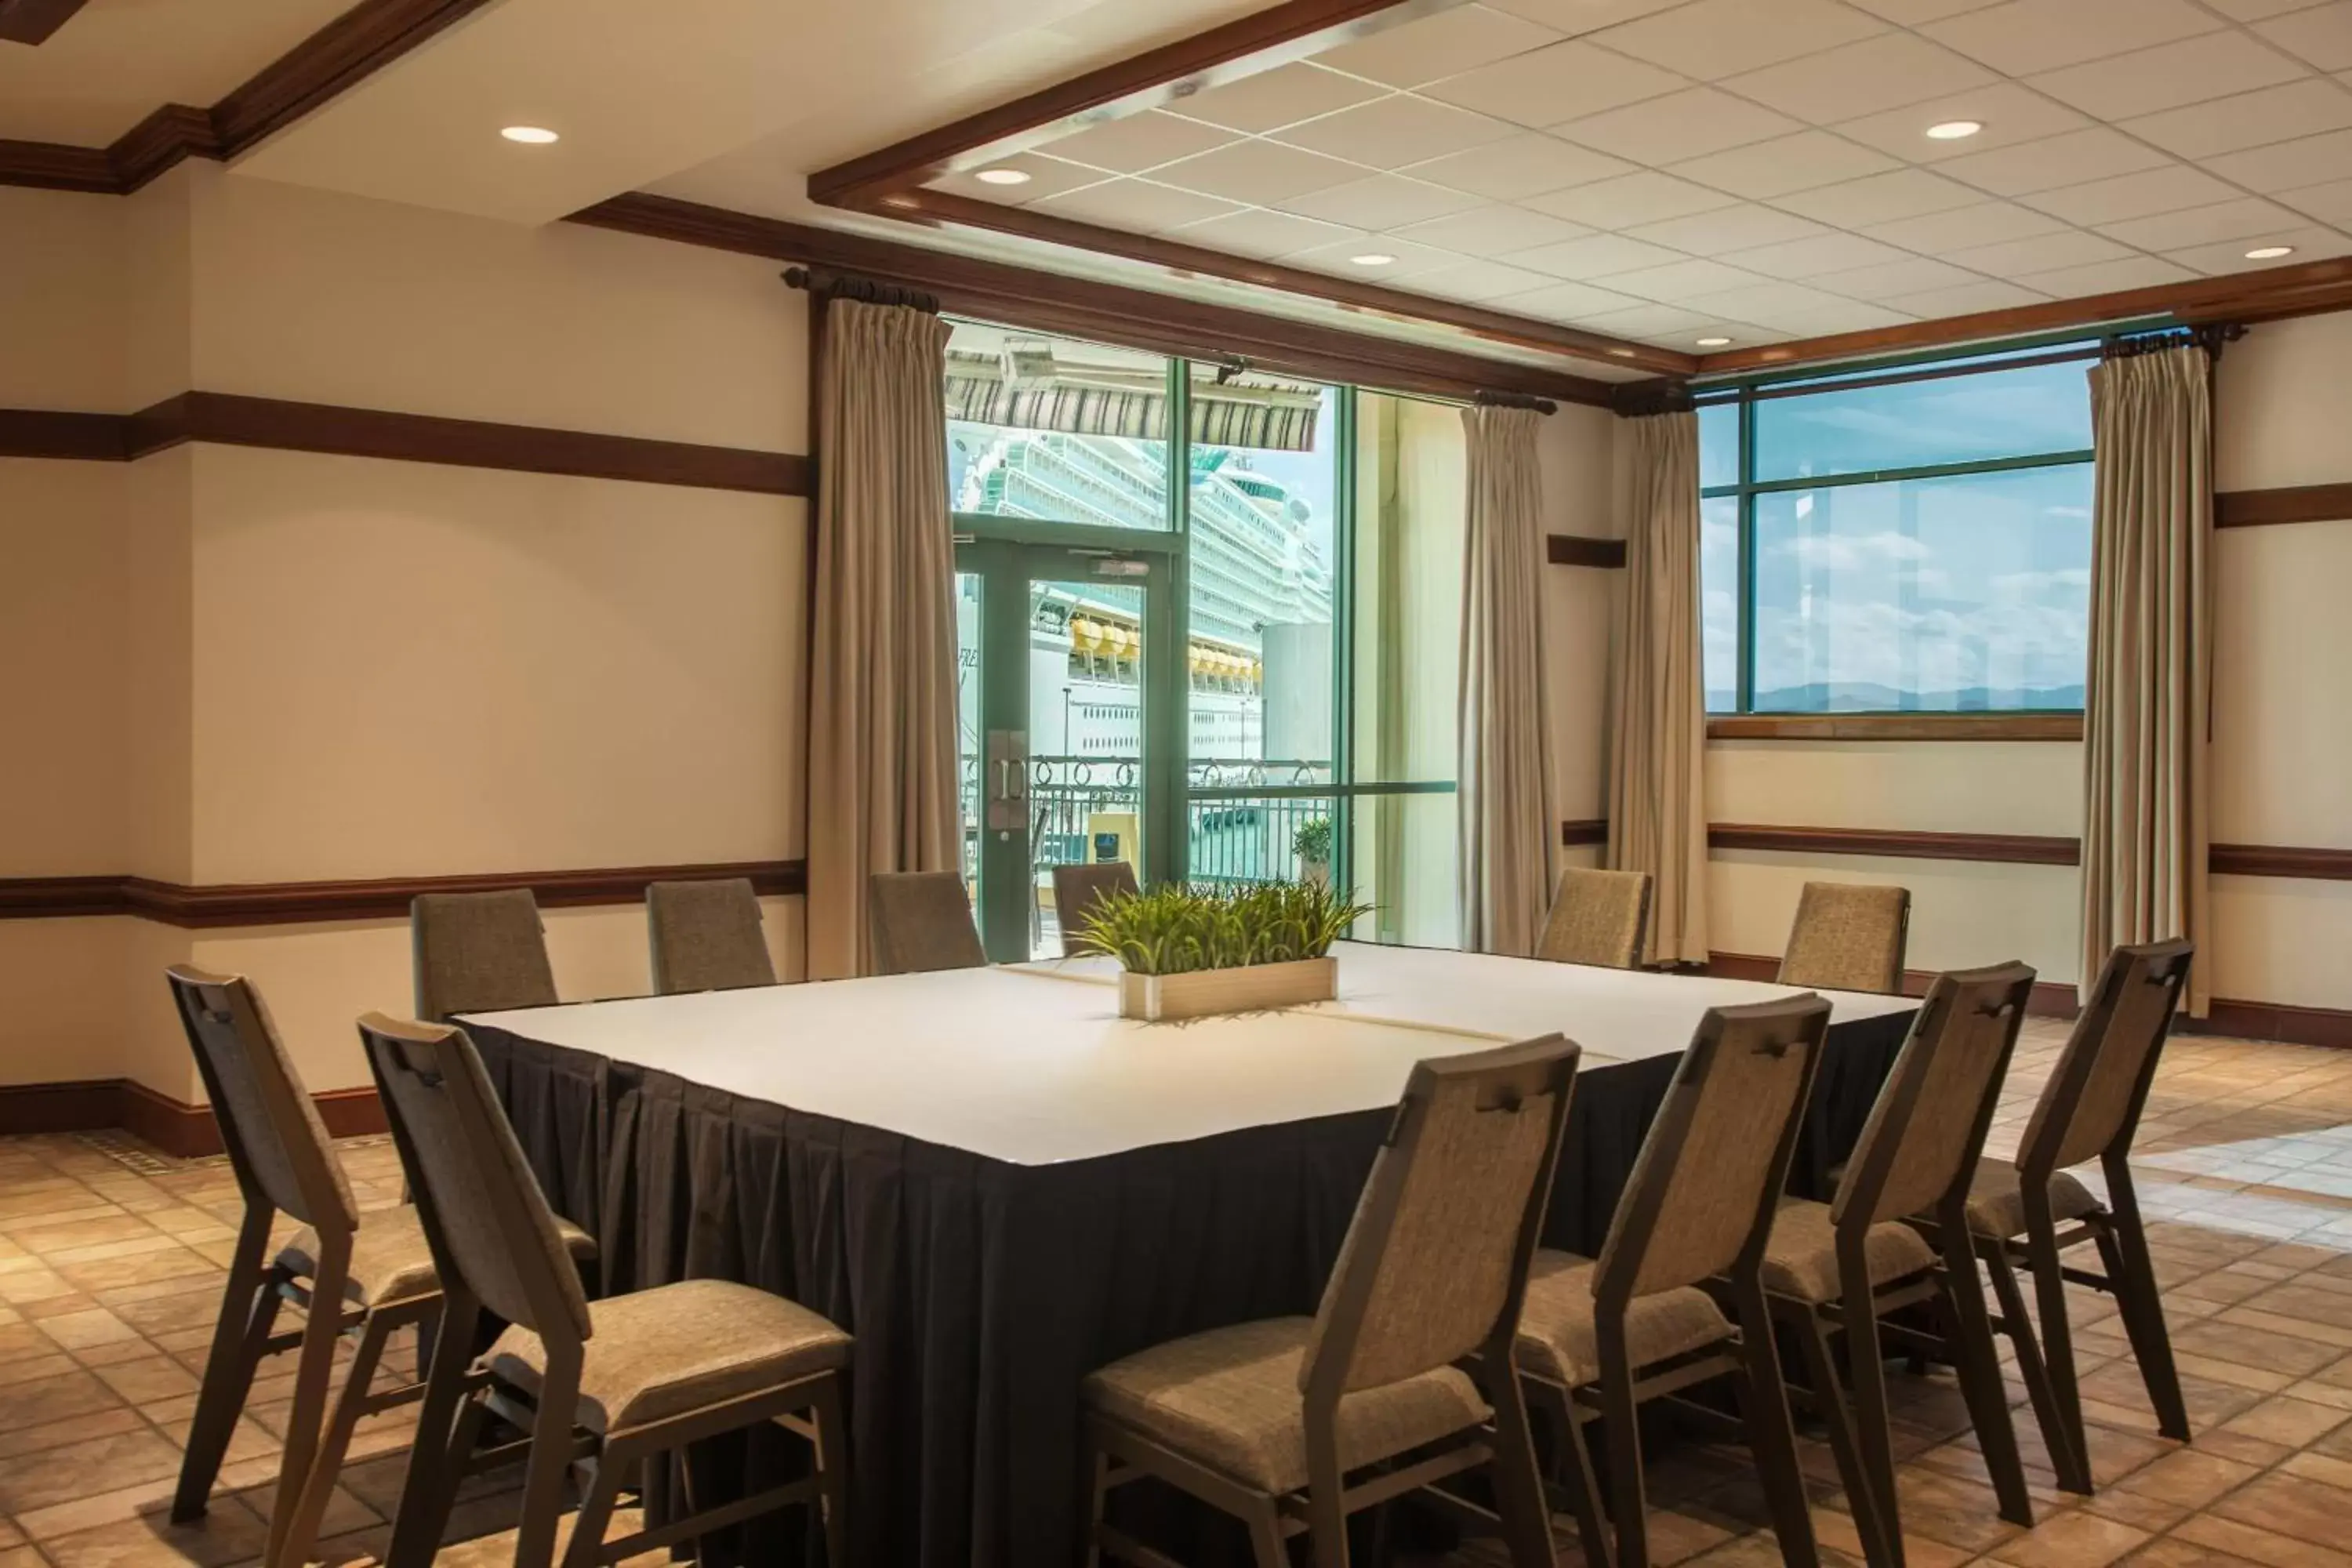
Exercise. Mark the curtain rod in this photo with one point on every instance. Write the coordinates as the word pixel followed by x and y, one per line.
pixel 2210 336
pixel 1514 400
pixel 867 290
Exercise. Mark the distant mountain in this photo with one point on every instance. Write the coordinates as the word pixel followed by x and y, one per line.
pixel 1869 696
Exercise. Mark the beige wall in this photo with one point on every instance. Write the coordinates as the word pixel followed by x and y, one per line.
pixel 1580 611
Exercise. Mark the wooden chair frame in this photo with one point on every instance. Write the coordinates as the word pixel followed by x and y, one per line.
pixel 1117 1453
pixel 1078 887
pixel 1901 943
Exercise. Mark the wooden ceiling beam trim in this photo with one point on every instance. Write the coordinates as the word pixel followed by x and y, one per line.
pixel 32 21
pixel 1110 312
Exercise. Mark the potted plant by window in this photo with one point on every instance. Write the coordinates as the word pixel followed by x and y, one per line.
pixel 1312 845
pixel 1188 952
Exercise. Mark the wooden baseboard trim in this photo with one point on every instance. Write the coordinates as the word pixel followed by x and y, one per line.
pixel 2273 1021
pixel 301 903
pixel 185 1132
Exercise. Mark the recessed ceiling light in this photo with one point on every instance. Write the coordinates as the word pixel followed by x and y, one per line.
pixel 531 135
pixel 1002 177
pixel 1715 342
pixel 2269 252
pixel 1623 353
pixel 1954 130
pixel 1373 259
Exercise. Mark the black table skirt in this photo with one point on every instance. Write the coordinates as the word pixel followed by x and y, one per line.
pixel 982 1292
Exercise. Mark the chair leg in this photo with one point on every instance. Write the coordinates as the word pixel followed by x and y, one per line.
pixel 1978 1364
pixel 1629 1502
pixel 1828 1393
pixel 1873 1430
pixel 444 1440
pixel 1582 1486
pixel 1094 1476
pixel 1519 1485
pixel 295 1540
pixel 249 1312
pixel 588 1526
pixel 2058 1348
pixel 313 1372
pixel 1266 1545
pixel 2123 1246
pixel 1327 1511
pixel 549 1464
pixel 2019 1326
pixel 1764 1408
pixel 832 1473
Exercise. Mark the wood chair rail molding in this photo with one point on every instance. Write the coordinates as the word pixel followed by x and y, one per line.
pixel 1582 550
pixel 2297 504
pixel 341 55
pixel 1992 848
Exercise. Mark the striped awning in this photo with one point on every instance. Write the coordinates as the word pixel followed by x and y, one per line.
pixel 1098 401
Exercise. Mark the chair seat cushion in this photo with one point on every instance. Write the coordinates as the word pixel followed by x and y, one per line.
pixel 1556 1334
pixel 1997 1201
pixel 391 1260
pixel 1801 1258
pixel 656 1354
pixel 1229 1399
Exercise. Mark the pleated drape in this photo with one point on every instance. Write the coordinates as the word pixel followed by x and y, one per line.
pixel 1657 797
pixel 882 697
pixel 1508 841
pixel 2146 711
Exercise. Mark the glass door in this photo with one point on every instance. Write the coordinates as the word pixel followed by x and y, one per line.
pixel 1061 763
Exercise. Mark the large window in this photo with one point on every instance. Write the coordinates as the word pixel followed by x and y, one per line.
pixel 1903 541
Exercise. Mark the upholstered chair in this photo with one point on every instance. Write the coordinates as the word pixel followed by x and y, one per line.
pixel 921 921
pixel 706 936
pixel 478 953
pixel 1848 937
pixel 1077 890
pixel 1597 918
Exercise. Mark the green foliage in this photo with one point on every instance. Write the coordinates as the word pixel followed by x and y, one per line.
pixel 1176 930
pixel 1312 842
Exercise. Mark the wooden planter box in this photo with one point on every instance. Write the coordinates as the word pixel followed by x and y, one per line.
pixel 1161 998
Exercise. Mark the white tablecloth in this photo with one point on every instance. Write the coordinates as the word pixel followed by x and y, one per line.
pixel 1031 1064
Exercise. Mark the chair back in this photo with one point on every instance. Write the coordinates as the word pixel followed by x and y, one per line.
pixel 478 953
pixel 270 1125
pixel 484 1215
pixel 1704 1188
pixel 1597 917
pixel 1927 1128
pixel 1077 890
pixel 921 921
pixel 1848 937
pixel 706 936
pixel 2092 1104
pixel 1436 1262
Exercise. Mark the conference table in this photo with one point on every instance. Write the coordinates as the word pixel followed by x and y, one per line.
pixel 997 1184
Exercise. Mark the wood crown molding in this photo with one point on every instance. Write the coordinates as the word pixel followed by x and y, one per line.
pixel 1894 727
pixel 1107 312
pixel 32 21
pixel 1580 549
pixel 231 420
pixel 2299 503
pixel 346 51
pixel 388 898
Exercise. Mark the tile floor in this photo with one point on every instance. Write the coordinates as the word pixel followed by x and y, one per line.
pixel 111 1262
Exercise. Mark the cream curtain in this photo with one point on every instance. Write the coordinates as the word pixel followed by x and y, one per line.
pixel 1507 837
pixel 882 698
pixel 1657 797
pixel 2146 709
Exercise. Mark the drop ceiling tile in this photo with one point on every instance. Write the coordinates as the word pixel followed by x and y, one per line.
pixel 2249 120
pixel 1477 282
pixel 1680 280
pixel 1845 316
pixel 1271 100
pixel 1137 206
pixel 1390 133
pixel 1825 253
pixel 1879 198
pixel 1137 143
pixel 2009 113
pixel 1889 280
pixel 2131 195
pixel 2256 10
pixel 1911 13
pixel 1687 124
pixel 1768 304
pixel 1570 302
pixel 1493 231
pixel 1445 44
pixel 1714 39
pixel 2322 36
pixel 1595 257
pixel 1653 324
pixel 2229 256
pixel 2044 253
pixel 1408 260
pixel 1800 162
pixel 2330 203
pixel 2072 159
pixel 2108 277
pixel 1257 233
pixel 1743 226
pixel 1379 201
pixel 1527 165
pixel 1646 196
pixel 2306 160
pixel 2028 36
pixel 1546 86
pixel 1987 223
pixel 1258 173
pixel 1048 177
pixel 2245 216
pixel 2169 76
pixel 1967 299
pixel 1867 78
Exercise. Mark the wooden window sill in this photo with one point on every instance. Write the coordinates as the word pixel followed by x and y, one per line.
pixel 1894 727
